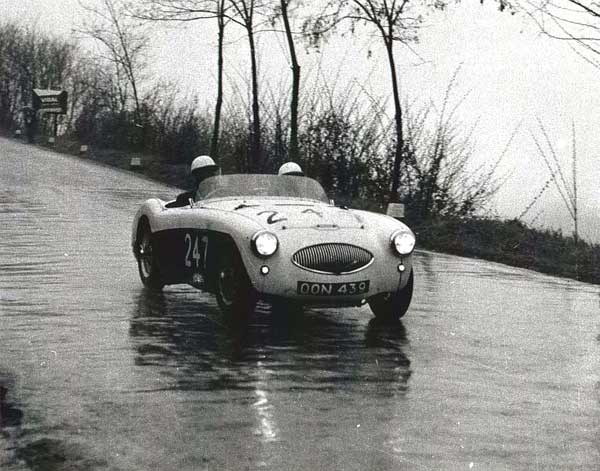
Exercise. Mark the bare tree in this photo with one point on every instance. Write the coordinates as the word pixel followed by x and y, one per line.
pixel 9 41
pixel 282 10
pixel 567 192
pixel 575 21
pixel 392 21
pixel 244 13
pixel 439 178
pixel 87 85
pixel 193 10
pixel 125 43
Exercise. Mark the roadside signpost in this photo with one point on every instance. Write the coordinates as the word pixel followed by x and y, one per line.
pixel 51 102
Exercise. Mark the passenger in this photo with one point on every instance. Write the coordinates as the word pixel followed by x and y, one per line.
pixel 291 168
pixel 202 167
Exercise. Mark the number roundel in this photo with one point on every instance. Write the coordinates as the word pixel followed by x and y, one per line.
pixel 196 248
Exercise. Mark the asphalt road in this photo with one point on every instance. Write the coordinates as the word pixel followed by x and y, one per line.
pixel 493 368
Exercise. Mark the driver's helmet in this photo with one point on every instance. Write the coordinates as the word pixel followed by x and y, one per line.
pixel 290 168
pixel 204 166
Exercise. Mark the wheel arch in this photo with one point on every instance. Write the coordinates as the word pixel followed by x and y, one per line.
pixel 222 242
pixel 147 211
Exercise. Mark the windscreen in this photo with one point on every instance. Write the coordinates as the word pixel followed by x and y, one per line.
pixel 255 185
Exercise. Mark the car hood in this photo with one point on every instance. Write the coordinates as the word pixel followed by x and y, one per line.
pixel 292 214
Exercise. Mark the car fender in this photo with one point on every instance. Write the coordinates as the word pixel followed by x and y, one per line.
pixel 384 222
pixel 148 210
pixel 233 227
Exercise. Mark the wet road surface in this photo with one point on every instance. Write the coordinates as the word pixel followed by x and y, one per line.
pixel 493 368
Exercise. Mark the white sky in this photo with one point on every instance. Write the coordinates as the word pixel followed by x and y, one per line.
pixel 512 73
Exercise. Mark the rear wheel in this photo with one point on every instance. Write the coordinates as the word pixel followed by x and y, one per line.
pixel 392 306
pixel 234 292
pixel 146 258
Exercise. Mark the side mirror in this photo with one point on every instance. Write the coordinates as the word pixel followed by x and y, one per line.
pixel 395 210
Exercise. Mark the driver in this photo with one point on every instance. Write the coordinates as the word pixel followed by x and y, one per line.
pixel 291 168
pixel 202 167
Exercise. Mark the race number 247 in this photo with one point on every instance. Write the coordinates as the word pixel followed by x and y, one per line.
pixel 196 248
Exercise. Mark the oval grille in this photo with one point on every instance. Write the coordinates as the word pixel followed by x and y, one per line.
pixel 333 258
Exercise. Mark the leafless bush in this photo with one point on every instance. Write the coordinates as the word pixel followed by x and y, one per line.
pixel 439 177
pixel 343 141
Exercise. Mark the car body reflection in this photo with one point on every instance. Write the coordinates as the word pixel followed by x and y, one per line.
pixel 272 369
pixel 189 338
pixel 11 417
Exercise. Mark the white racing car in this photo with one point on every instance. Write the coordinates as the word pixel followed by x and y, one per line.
pixel 276 238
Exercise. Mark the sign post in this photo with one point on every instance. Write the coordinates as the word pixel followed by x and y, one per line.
pixel 52 102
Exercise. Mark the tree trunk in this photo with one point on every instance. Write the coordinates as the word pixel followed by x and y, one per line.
pixel 293 151
pixel 214 143
pixel 255 147
pixel 399 131
pixel 135 97
pixel 75 96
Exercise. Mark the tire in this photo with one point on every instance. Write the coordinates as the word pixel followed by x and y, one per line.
pixel 146 259
pixel 234 292
pixel 392 306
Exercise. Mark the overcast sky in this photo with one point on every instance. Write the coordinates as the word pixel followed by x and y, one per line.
pixel 512 73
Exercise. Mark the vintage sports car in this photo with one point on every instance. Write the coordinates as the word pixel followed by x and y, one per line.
pixel 276 238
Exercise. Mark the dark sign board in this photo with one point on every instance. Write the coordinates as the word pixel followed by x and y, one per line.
pixel 50 101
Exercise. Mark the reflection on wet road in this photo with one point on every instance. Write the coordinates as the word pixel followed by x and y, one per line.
pixel 492 368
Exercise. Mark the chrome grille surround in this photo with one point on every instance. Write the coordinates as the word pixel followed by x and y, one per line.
pixel 333 258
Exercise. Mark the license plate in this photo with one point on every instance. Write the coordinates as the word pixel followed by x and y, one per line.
pixel 309 288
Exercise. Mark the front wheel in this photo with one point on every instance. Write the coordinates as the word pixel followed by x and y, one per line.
pixel 146 259
pixel 392 306
pixel 234 292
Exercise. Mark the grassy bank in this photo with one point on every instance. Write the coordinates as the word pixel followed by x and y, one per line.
pixel 156 169
pixel 506 241
pixel 513 243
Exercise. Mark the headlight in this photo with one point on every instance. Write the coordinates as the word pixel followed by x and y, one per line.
pixel 264 243
pixel 403 242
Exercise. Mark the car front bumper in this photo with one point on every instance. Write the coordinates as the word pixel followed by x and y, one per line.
pixel 279 278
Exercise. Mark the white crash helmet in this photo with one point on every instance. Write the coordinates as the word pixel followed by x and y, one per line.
pixel 290 168
pixel 203 162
